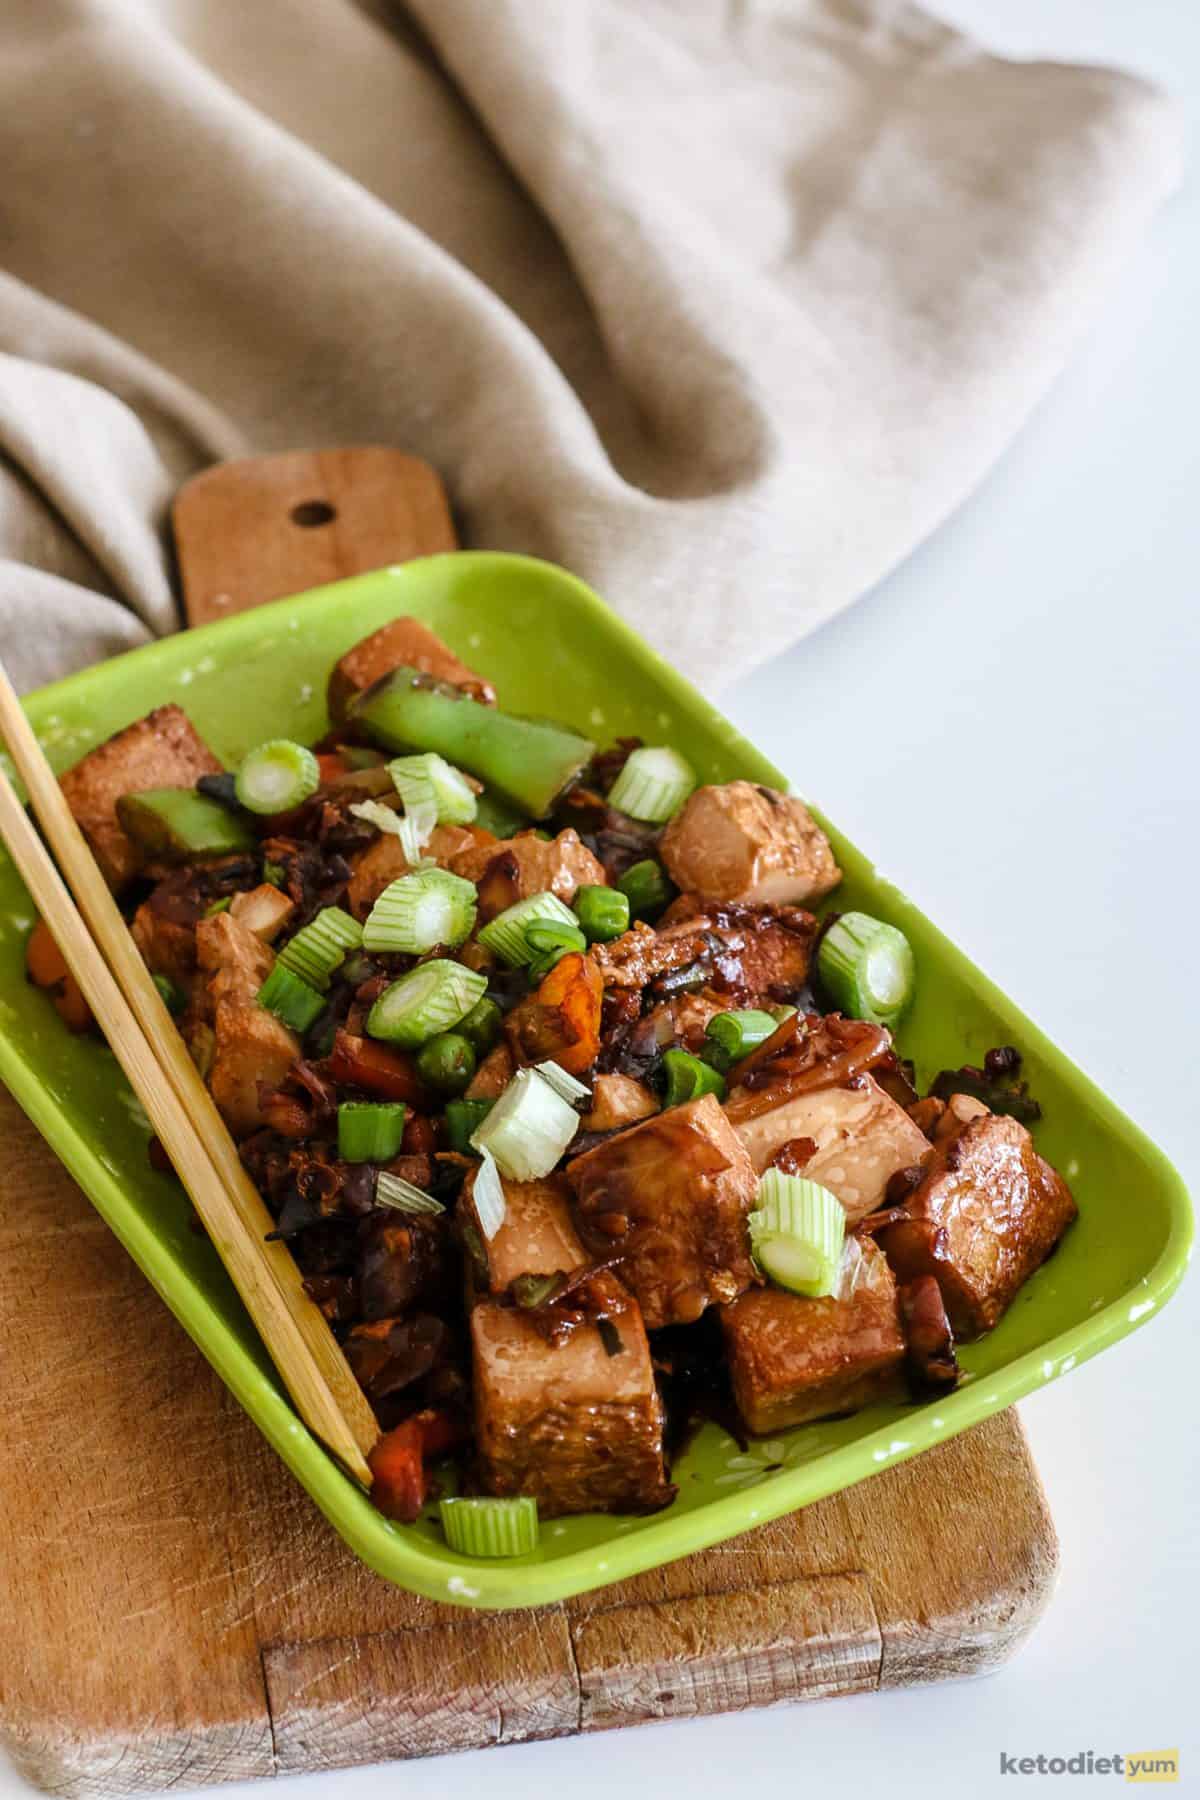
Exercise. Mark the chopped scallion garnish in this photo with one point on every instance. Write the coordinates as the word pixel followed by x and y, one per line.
pixel 687 1078
pixel 487 1195
pixel 491 1527
pixel 276 777
pixel 653 785
pixel 732 1035
pixel 321 947
pixel 528 1128
pixel 401 1196
pixel 563 1084
pixel 797 1233
pixel 431 779
pixel 429 999
pixel 370 1130
pixel 867 968
pixel 292 1000
pixel 420 911
pixel 506 935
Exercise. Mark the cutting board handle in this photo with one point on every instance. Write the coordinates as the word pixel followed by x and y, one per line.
pixel 266 526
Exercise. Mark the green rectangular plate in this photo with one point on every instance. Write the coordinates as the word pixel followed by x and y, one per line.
pixel 553 648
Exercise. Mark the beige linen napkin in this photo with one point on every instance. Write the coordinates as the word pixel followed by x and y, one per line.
pixel 722 303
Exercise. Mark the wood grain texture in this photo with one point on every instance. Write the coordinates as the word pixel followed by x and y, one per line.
pixel 242 539
pixel 173 1608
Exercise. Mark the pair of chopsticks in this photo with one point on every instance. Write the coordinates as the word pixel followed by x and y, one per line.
pixel 105 961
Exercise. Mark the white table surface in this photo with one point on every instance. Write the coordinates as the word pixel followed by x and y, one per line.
pixel 1039 666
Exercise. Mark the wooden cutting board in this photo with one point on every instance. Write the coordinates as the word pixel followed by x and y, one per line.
pixel 175 1611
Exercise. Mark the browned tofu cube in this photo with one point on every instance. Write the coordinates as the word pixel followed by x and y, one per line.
pixel 793 1359
pixel 537 1236
pixel 263 910
pixel 858 1136
pixel 671 1195
pixel 743 842
pixel 988 1212
pixel 577 1424
pixel 518 867
pixel 161 750
pixel 167 946
pixel 618 1101
pixel 251 1050
pixel 404 644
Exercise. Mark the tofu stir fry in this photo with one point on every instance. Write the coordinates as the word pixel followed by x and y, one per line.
pixel 580 1123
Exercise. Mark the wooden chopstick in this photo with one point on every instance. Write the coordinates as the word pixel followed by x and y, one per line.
pixel 150 1050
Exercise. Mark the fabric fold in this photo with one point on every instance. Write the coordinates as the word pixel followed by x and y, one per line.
pixel 724 307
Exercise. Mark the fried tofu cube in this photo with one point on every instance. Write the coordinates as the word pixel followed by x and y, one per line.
pixel 859 1139
pixel 793 1359
pixel 263 910
pixel 252 1050
pixel 537 1236
pixel 987 1213
pixel 742 842
pixel 162 750
pixel 167 946
pixel 618 1101
pixel 512 870
pixel 404 644
pixel 672 1196
pixel 578 1424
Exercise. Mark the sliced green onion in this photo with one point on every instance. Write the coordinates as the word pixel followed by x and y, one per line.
pixel 733 1035
pixel 417 792
pixel 218 906
pixel 797 1233
pixel 431 777
pixel 488 1527
pixel 603 913
pixel 292 1000
pixel 320 948
pixel 173 998
pixel 687 1078
pixel 462 1118
pixel 867 968
pixel 487 1195
pixel 505 934
pixel 545 935
pixel 420 911
pixel 274 873
pixel 385 819
pixel 653 785
pixel 482 1026
pixel 528 1128
pixel 563 1084
pixel 277 776
pixel 370 1130
pixel 429 999
pixel 446 1063
pixel 401 1196
pixel 646 888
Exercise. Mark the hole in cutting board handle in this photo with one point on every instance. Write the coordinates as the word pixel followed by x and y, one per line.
pixel 310 513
